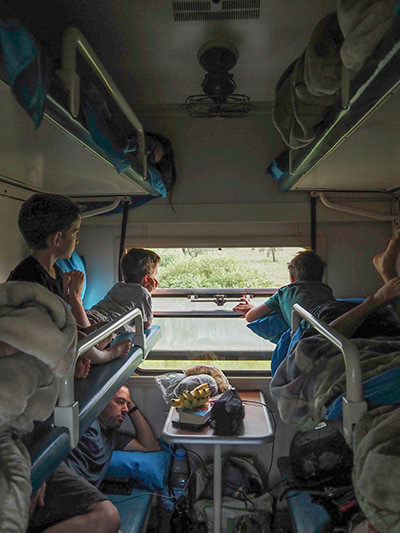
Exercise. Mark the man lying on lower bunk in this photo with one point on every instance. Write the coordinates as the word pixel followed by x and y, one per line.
pixel 72 500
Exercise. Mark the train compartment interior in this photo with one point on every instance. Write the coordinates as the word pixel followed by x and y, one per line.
pixel 186 127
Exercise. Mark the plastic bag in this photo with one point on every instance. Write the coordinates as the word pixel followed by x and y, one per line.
pixel 238 516
pixel 240 479
pixel 167 383
pixel 190 382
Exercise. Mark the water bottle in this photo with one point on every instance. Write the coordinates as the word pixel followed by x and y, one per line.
pixel 179 474
pixel 180 520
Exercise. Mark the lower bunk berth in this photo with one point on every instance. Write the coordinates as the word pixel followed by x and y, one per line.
pixel 315 382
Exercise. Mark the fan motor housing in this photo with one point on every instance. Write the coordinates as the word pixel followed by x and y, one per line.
pixel 218 56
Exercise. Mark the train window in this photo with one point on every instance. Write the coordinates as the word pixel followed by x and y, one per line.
pixel 198 288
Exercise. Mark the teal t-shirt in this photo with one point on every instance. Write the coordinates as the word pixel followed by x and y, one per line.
pixel 309 294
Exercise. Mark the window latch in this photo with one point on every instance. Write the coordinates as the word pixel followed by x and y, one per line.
pixel 219 299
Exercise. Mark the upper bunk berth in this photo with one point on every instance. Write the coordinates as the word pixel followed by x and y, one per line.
pixel 85 140
pixel 337 107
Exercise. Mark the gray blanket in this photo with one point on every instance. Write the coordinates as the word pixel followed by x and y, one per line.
pixel 313 375
pixel 376 474
pixel 42 329
pixel 310 378
pixel 363 24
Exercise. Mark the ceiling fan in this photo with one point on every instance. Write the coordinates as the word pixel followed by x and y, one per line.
pixel 219 99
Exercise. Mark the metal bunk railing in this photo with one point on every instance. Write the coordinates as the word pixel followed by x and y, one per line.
pixel 353 403
pixel 74 41
pixel 66 413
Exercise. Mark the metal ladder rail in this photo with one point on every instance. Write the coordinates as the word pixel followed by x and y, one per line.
pixel 353 403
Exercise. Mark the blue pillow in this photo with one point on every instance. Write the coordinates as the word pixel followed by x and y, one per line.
pixel 151 469
pixel 269 327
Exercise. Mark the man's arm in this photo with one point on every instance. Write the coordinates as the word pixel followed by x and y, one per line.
pixel 145 440
pixel 348 323
pixel 250 312
pixel 259 311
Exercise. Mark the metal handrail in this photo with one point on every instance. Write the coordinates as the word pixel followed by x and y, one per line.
pixel 66 413
pixel 74 41
pixel 353 403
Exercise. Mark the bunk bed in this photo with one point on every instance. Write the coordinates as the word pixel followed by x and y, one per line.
pixel 338 102
pixel 73 107
pixel 329 377
pixel 79 404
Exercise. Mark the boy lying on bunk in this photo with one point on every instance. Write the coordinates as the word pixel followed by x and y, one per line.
pixel 50 225
pixel 139 269
pixel 306 271
pixel 72 501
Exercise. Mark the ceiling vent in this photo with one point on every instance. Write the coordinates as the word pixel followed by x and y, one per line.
pixel 215 10
pixel 219 100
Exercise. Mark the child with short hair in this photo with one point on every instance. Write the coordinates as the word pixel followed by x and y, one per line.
pixel 306 271
pixel 50 225
pixel 139 268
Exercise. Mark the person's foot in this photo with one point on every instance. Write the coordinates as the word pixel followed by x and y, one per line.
pixel 82 367
pixel 7 349
pixel 386 262
pixel 77 280
pixel 121 348
pixel 93 327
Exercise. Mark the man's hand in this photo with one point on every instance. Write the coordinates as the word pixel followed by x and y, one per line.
pixel 388 292
pixel 243 308
pixel 131 404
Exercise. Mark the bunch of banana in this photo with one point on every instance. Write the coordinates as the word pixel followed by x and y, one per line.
pixel 197 397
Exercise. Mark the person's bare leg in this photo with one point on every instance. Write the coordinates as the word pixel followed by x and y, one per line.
pixel 119 349
pixel 386 262
pixel 93 327
pixel 102 517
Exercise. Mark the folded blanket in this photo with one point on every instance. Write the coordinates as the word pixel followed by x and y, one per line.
pixel 15 487
pixel 41 327
pixel 36 322
pixel 322 63
pixel 363 24
pixel 377 467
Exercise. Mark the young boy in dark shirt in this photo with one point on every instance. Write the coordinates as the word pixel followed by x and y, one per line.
pixel 50 225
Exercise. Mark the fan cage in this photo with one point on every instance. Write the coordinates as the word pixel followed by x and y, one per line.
pixel 215 106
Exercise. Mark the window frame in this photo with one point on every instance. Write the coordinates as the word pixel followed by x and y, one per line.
pixel 209 295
